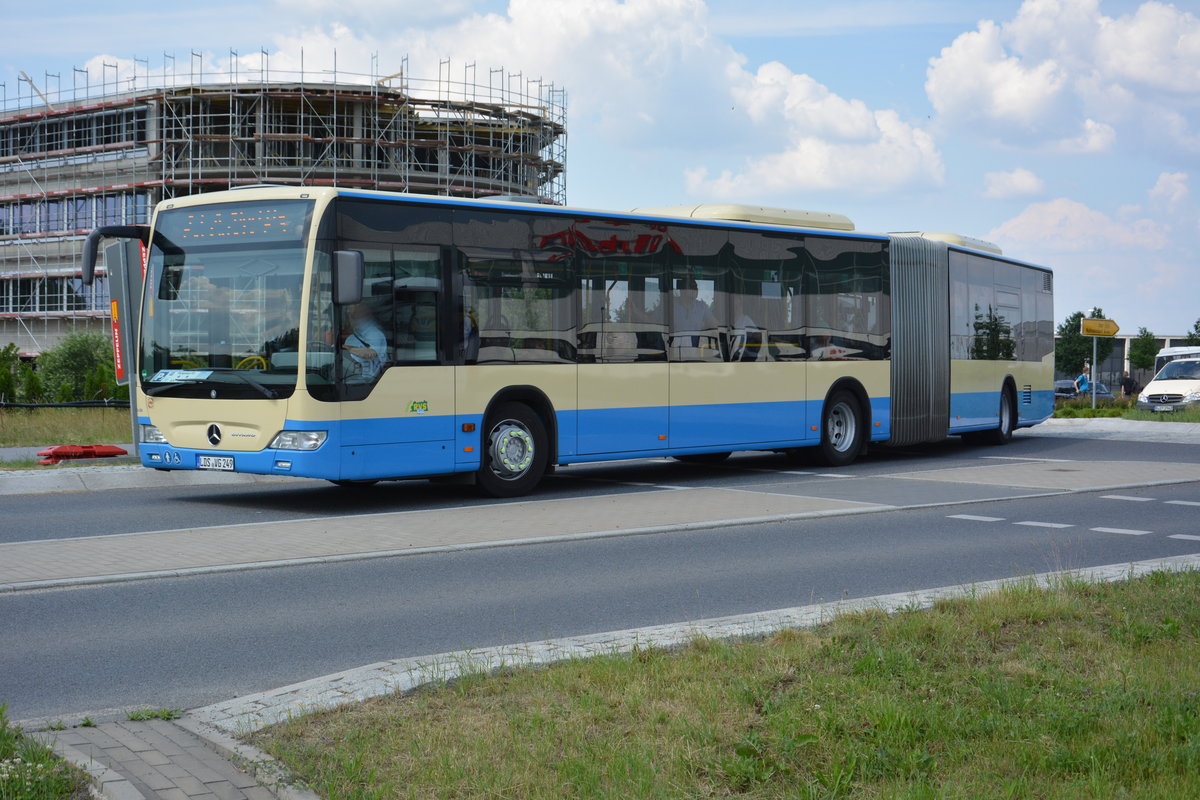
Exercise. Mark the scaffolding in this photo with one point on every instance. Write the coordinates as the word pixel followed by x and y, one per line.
pixel 105 151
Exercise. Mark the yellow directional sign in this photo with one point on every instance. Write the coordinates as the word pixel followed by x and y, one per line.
pixel 1099 327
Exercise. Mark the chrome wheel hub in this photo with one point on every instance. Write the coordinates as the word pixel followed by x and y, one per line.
pixel 511 449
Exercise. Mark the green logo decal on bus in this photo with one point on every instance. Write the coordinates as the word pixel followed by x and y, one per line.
pixel 418 407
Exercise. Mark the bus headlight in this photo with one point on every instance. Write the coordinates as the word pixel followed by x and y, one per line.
pixel 298 440
pixel 152 435
pixel 1192 398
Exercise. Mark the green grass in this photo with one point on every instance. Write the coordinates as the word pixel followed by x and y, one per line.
pixel 144 714
pixel 1083 691
pixel 30 771
pixel 35 427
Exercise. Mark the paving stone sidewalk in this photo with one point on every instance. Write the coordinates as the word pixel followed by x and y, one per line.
pixel 161 759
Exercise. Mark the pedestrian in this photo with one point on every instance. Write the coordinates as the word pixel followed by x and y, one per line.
pixel 1129 386
pixel 1082 383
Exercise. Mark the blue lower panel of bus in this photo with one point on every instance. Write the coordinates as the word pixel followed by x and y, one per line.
pixel 975 411
pixel 405 447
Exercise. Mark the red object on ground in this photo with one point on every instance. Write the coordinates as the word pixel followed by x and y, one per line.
pixel 62 452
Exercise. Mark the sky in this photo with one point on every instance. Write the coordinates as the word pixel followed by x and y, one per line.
pixel 1065 131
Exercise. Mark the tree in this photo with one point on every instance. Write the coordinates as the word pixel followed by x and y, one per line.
pixel 1072 348
pixel 66 369
pixel 1142 350
pixel 31 384
pixel 10 361
pixel 1193 337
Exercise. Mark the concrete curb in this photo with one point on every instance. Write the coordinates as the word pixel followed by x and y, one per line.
pixel 266 770
pixel 245 715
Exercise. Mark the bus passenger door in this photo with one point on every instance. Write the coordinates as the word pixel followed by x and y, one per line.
pixel 623 378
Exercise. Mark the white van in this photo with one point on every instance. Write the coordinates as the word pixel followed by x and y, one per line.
pixel 1176 387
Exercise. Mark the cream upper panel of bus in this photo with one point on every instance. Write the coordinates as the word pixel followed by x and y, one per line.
pixel 733 212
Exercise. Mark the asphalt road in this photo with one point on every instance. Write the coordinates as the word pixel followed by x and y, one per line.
pixel 185 642
pixel 52 516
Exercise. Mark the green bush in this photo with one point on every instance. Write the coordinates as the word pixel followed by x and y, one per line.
pixel 79 368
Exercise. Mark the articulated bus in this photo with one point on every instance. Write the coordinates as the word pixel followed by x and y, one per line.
pixel 359 336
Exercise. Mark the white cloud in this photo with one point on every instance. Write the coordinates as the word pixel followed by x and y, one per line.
pixel 1097 137
pixel 1068 225
pixel 1171 187
pixel 830 143
pixel 1018 183
pixel 1063 75
pixel 976 79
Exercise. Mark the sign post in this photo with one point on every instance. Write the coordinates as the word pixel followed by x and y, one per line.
pixel 123 260
pixel 1096 328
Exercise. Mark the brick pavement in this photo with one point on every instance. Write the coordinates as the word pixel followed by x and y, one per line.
pixel 161 759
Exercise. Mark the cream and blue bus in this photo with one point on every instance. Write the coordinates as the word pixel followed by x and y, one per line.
pixel 359 336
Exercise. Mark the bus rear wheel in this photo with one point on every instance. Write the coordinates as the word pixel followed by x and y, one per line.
pixel 1008 421
pixel 841 429
pixel 516 450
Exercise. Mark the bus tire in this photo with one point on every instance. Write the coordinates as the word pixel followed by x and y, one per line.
pixel 703 458
pixel 1008 421
pixel 516 450
pixel 842 429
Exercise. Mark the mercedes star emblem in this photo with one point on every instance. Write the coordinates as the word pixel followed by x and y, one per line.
pixel 214 435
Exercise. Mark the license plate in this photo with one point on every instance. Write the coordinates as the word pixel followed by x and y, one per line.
pixel 1164 408
pixel 214 462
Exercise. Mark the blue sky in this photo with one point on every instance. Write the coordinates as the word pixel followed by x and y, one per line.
pixel 1067 131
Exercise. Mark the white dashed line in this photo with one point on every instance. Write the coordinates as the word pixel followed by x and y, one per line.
pixel 1126 497
pixel 1187 536
pixel 1182 502
pixel 975 518
pixel 1126 531
pixel 1020 458
pixel 831 475
pixel 1045 524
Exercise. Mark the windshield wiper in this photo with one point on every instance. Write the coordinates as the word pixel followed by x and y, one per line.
pixel 266 391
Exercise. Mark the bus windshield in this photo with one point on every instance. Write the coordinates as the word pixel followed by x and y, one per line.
pixel 221 315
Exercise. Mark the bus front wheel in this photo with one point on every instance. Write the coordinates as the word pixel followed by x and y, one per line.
pixel 515 451
pixel 841 430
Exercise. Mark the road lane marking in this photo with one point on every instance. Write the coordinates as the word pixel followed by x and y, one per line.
pixel 1022 458
pixel 1045 524
pixel 1120 530
pixel 1182 502
pixel 1126 497
pixel 1187 536
pixel 975 518
pixel 831 475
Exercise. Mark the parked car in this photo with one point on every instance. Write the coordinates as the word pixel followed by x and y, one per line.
pixel 1176 387
pixel 1065 390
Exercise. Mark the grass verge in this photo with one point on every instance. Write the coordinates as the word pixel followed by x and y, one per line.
pixel 29 770
pixel 1081 691
pixel 34 427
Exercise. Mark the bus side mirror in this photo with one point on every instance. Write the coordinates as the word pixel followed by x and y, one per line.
pixel 87 265
pixel 347 277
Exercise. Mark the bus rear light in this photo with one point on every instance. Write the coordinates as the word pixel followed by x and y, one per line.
pixel 298 440
pixel 152 435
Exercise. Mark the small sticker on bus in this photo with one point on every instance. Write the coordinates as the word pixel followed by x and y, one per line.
pixel 418 407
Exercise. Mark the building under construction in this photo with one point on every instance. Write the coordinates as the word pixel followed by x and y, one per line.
pixel 75 158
